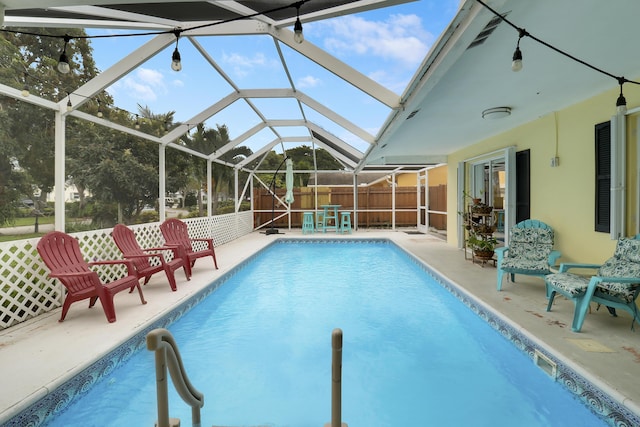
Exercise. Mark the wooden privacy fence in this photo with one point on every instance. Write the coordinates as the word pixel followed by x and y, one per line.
pixel 375 208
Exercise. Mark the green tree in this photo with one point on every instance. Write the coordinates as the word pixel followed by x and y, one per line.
pixel 208 141
pixel 13 183
pixel 30 57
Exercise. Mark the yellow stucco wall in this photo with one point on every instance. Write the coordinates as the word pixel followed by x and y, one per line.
pixel 406 179
pixel 562 196
pixel 438 175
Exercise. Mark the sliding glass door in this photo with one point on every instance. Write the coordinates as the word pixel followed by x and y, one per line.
pixel 490 178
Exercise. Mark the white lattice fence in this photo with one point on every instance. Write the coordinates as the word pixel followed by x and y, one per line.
pixel 26 291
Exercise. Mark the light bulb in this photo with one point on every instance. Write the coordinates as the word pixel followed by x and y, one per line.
pixel 69 105
pixel 516 65
pixel 176 63
pixel 621 105
pixel 63 64
pixel 298 37
pixel 25 91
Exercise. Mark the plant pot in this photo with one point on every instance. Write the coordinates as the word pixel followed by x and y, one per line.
pixel 481 209
pixel 483 228
pixel 483 254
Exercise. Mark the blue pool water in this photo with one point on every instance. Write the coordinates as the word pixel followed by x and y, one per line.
pixel 259 349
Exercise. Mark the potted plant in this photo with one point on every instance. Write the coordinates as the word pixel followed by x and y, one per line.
pixel 483 246
pixel 474 200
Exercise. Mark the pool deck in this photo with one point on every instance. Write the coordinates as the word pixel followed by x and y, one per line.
pixel 38 355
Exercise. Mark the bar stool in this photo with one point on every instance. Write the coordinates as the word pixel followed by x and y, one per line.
pixel 320 222
pixel 345 222
pixel 307 222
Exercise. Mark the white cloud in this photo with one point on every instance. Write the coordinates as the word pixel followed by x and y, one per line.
pixel 390 80
pixel 308 81
pixel 144 84
pixel 244 65
pixel 399 38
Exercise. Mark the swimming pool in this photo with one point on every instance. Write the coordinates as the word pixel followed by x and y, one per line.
pixel 261 394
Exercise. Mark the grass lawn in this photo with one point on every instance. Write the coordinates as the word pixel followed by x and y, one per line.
pixel 18 222
pixel 11 237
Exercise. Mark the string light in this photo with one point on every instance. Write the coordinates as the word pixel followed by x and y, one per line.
pixel 176 62
pixel 69 105
pixel 516 65
pixel 621 102
pixel 100 113
pixel 298 37
pixel 137 124
pixel 63 62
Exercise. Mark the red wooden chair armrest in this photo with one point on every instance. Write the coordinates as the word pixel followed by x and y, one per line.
pixel 161 248
pixel 72 274
pixel 178 249
pixel 209 241
pixel 148 256
pixel 130 267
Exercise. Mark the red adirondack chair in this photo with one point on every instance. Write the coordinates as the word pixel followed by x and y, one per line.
pixel 126 241
pixel 61 253
pixel 175 233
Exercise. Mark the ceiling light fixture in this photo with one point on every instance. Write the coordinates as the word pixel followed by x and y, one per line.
pixel 621 102
pixel 176 62
pixel 298 37
pixel 496 113
pixel 63 62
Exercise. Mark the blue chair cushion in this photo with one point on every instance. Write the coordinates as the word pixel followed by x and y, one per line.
pixel 529 250
pixel 625 262
pixel 569 284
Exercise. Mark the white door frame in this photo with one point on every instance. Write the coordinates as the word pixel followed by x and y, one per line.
pixel 422 185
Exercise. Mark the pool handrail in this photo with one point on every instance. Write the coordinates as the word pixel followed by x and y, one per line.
pixel 168 356
pixel 336 380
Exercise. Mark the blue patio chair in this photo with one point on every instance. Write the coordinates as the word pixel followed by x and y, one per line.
pixel 616 283
pixel 530 252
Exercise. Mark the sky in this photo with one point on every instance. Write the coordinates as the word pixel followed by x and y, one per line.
pixel 386 45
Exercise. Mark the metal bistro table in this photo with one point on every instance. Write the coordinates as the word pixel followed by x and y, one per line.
pixel 330 213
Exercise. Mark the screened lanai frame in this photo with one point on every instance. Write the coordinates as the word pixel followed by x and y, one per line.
pixel 346 154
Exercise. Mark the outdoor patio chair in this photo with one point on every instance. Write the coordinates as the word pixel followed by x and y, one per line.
pixel 149 261
pixel 61 253
pixel 616 283
pixel 530 252
pixel 176 233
